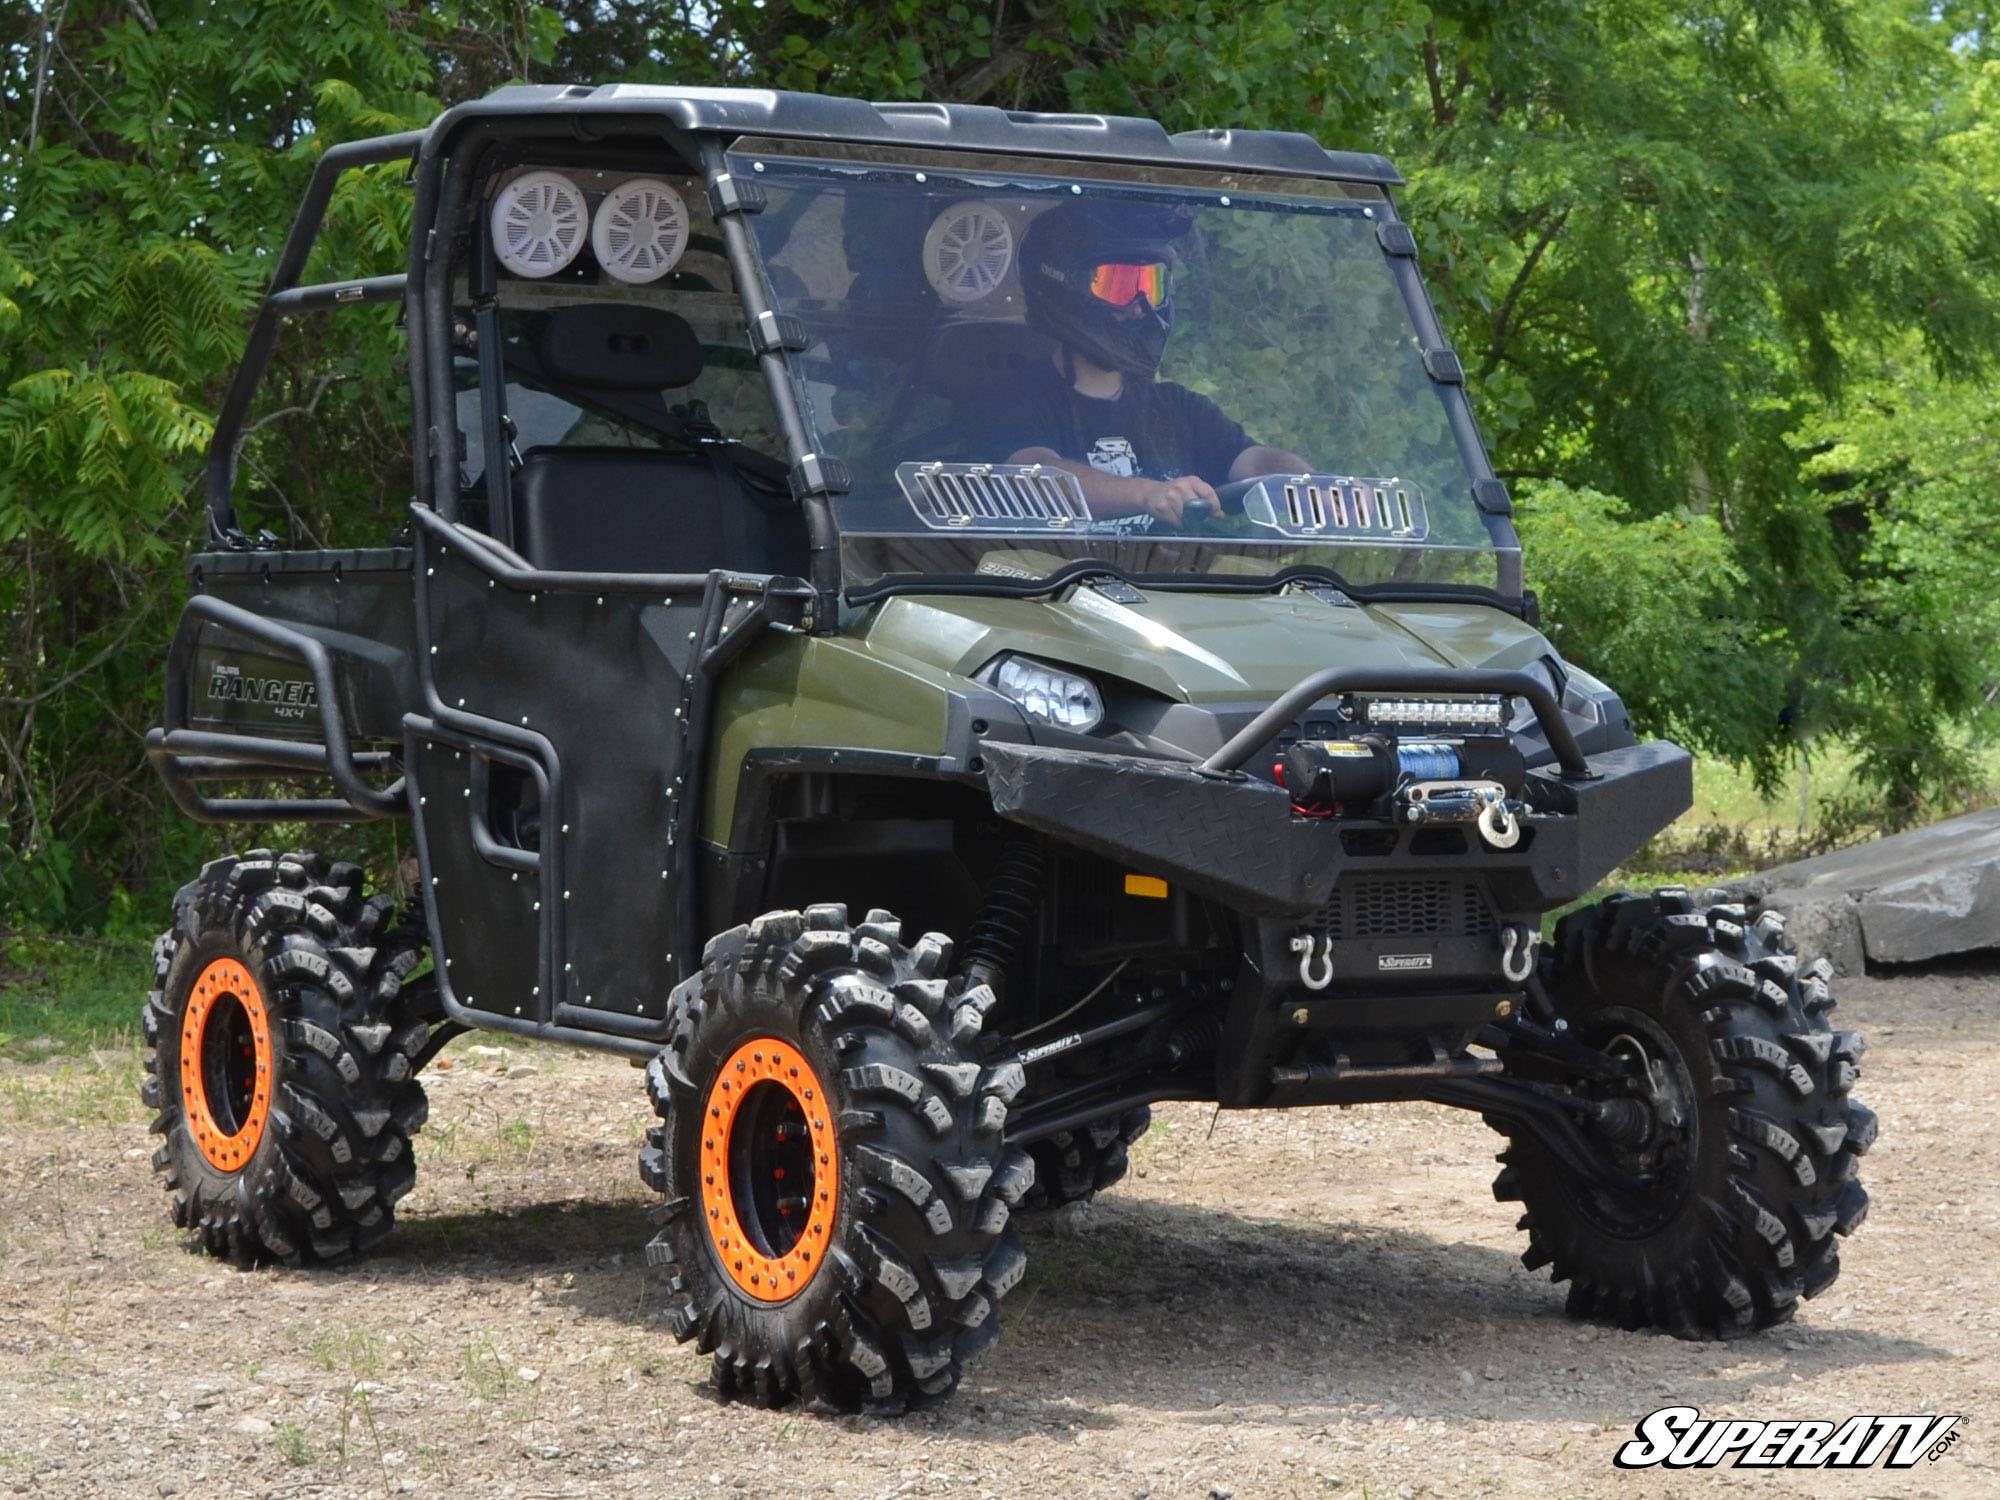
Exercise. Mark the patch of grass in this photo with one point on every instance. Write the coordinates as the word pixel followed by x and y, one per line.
pixel 1732 830
pixel 489 1376
pixel 292 1445
pixel 486 1372
pixel 348 1350
pixel 102 1088
pixel 518 1136
pixel 356 1405
pixel 60 996
pixel 1725 797
pixel 439 1138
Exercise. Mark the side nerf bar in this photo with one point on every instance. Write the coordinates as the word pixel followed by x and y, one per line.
pixel 183 756
pixel 1261 730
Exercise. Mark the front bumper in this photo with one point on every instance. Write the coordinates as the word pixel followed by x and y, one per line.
pixel 1371 954
pixel 1236 840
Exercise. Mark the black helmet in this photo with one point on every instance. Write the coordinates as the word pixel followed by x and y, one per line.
pixel 1095 276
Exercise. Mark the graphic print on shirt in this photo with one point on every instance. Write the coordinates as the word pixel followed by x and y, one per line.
pixel 1113 455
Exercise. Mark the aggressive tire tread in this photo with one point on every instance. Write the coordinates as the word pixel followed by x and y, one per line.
pixel 922 1251
pixel 1074 1166
pixel 334 1157
pixel 1773 1181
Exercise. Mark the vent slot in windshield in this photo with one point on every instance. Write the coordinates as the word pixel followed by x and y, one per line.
pixel 993 497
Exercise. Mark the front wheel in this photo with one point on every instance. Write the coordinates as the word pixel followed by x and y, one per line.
pixel 1754 1142
pixel 830 1152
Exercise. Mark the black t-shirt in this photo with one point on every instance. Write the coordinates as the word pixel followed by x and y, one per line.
pixel 1150 430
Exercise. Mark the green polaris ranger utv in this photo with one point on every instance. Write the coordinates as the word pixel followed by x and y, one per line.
pixel 937 628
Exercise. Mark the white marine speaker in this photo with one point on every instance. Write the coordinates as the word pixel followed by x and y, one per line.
pixel 967 250
pixel 640 230
pixel 539 222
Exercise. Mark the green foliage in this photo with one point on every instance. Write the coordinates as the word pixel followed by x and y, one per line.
pixel 1304 312
pixel 1732 264
pixel 1625 595
pixel 151 158
pixel 64 995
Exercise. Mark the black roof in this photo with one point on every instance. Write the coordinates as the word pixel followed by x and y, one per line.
pixel 964 127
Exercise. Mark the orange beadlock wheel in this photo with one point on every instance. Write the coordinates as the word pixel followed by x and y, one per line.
pixel 226 1064
pixel 770 1173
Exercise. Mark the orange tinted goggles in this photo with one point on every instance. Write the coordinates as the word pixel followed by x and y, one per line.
pixel 1120 285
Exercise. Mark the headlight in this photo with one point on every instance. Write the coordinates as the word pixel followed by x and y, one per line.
pixel 1524 712
pixel 1047 693
pixel 1588 698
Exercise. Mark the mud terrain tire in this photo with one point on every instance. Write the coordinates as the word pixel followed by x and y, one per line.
pixel 280 1060
pixel 841 1035
pixel 1074 1165
pixel 1754 1192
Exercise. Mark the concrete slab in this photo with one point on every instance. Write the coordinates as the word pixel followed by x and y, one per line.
pixel 1902 899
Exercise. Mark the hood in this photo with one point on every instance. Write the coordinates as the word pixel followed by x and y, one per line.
pixel 1198 648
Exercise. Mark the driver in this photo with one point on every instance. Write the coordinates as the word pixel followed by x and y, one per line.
pixel 1097 280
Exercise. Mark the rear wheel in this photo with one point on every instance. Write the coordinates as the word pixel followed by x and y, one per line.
pixel 1075 1165
pixel 1752 1153
pixel 281 1058
pixel 837 1189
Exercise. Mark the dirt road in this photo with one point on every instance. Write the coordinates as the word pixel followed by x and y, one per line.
pixel 1323 1304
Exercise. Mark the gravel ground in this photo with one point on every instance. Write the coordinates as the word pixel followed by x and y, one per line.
pixel 1312 1304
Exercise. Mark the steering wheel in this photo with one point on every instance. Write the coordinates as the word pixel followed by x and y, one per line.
pixel 1200 518
pixel 1231 495
pixel 1212 518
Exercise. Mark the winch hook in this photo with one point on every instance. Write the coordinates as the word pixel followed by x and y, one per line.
pixel 1498 826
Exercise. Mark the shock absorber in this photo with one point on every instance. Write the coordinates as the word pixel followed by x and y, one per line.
pixel 1012 902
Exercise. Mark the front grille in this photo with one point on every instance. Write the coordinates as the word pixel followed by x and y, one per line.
pixel 1407 906
pixel 1388 908
pixel 1477 914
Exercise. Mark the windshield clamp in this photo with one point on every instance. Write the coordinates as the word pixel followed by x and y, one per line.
pixel 814 475
pixel 1116 589
pixel 778 333
pixel 728 194
pixel 1490 495
pixel 1442 365
pixel 1326 593
pixel 1395 238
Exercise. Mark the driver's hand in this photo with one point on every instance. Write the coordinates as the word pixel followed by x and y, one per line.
pixel 1168 498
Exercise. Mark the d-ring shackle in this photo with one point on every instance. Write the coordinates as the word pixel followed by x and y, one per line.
pixel 1517 953
pixel 1303 944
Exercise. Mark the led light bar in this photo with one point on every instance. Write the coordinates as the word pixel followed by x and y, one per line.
pixel 1470 713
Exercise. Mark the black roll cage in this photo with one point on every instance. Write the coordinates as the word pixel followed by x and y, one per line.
pixel 286 298
pixel 586 117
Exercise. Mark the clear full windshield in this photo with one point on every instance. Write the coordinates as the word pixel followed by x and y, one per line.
pixel 984 430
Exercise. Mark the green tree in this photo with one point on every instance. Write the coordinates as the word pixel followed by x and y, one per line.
pixel 1724 274
pixel 153 155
